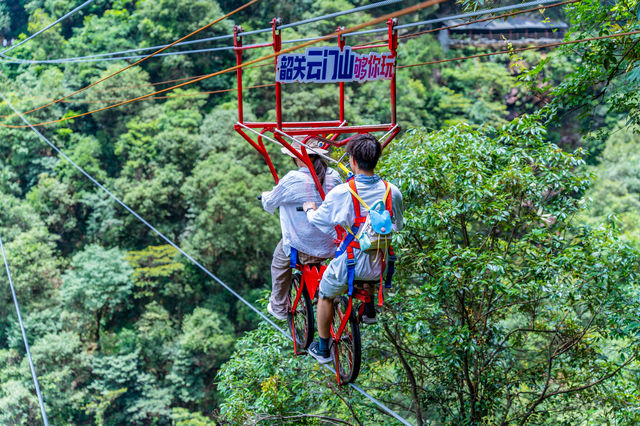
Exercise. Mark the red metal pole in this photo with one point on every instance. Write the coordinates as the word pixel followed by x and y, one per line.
pixel 261 150
pixel 267 158
pixel 277 45
pixel 314 175
pixel 393 47
pixel 237 42
pixel 303 156
pixel 341 44
pixel 390 137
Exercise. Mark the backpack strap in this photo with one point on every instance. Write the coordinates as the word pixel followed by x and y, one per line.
pixel 356 197
pixel 349 240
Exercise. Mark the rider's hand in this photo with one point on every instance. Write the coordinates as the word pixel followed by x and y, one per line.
pixel 309 205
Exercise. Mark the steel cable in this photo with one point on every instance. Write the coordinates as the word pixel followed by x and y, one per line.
pixel 24 336
pixel 375 21
pixel 145 58
pixel 54 23
pixel 91 58
pixel 521 49
pixel 102 57
pixel 403 36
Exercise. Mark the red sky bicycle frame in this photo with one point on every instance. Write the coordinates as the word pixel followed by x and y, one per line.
pixel 325 129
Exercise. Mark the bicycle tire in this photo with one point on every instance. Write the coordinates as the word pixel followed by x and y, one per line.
pixel 302 322
pixel 348 350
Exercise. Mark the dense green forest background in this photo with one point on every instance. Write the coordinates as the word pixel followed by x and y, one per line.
pixel 517 296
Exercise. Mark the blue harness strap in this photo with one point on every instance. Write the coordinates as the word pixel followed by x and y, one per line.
pixel 347 241
pixel 351 270
pixel 391 269
pixel 293 258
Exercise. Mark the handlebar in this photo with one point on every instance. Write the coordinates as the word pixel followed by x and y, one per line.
pixel 298 209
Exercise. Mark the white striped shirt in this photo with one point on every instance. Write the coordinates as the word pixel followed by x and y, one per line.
pixel 294 189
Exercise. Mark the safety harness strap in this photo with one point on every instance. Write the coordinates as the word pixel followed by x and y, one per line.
pixel 391 269
pixel 354 194
pixel 351 269
pixel 293 258
pixel 387 199
pixel 350 242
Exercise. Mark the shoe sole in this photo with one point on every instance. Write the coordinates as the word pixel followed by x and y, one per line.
pixel 284 318
pixel 319 359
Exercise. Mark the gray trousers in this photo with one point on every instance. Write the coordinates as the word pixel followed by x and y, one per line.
pixel 281 277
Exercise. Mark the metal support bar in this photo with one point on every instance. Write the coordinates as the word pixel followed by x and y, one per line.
pixel 393 47
pixel 237 42
pixel 277 46
pixel 341 44
pixel 262 151
pixel 341 130
pixel 370 46
pixel 260 125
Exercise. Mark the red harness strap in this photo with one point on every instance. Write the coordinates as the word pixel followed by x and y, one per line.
pixel 359 220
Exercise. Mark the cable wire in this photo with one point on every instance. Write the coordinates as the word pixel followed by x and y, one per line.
pixel 403 36
pixel 182 95
pixel 24 336
pixel 251 2
pixel 101 56
pixel 462 24
pixel 123 58
pixel 189 257
pixel 490 18
pixel 355 28
pixel 521 49
pixel 56 22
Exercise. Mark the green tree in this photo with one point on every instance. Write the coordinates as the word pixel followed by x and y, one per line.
pixel 98 285
pixel 616 192
pixel 264 382
pixel 205 343
pixel 504 310
pixel 509 304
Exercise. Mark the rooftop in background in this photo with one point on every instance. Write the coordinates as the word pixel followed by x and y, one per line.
pixel 519 31
pixel 513 24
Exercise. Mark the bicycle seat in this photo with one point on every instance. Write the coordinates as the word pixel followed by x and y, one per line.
pixel 362 283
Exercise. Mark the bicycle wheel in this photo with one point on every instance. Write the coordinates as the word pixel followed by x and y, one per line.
pixel 301 321
pixel 347 350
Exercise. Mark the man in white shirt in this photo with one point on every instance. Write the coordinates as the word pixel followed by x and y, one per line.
pixel 338 209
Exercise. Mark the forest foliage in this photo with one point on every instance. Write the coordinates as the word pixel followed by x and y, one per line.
pixel 516 299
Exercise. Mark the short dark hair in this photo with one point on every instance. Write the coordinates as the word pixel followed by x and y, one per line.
pixel 365 151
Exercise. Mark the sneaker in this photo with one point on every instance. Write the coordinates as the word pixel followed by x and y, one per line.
pixel 281 317
pixel 314 351
pixel 369 320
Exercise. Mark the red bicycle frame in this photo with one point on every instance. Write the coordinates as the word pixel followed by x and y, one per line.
pixel 310 279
